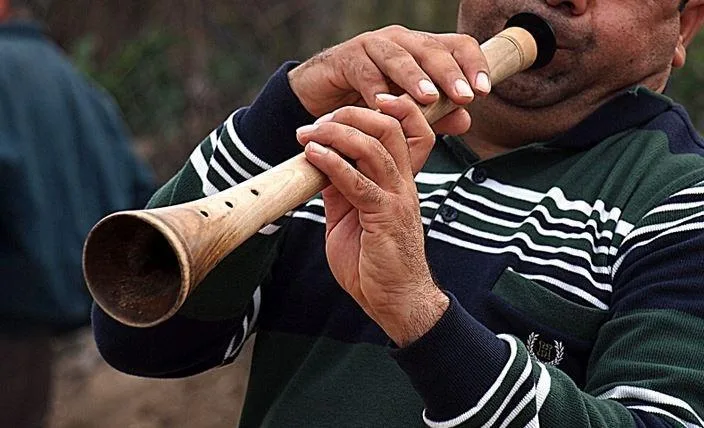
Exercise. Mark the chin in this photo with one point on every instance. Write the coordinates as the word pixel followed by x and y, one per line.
pixel 536 89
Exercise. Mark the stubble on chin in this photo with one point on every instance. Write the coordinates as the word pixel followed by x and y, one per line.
pixel 537 91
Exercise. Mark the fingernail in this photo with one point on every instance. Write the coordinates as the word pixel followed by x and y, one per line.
pixel 306 129
pixel 317 148
pixel 325 118
pixel 463 89
pixel 386 97
pixel 483 83
pixel 427 87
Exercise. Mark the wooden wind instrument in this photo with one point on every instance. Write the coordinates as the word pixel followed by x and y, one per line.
pixel 140 266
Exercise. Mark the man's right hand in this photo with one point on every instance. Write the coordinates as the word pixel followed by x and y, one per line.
pixel 394 60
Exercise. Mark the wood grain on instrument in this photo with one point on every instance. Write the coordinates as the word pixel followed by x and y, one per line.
pixel 141 265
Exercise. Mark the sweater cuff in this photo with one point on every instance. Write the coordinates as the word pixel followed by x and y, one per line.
pixel 454 364
pixel 268 126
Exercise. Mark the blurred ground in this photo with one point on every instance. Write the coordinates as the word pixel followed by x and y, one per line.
pixel 90 394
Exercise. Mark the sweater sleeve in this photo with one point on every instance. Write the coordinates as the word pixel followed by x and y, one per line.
pixel 645 369
pixel 222 312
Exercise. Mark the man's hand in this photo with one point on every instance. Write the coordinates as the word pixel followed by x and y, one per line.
pixel 394 60
pixel 374 233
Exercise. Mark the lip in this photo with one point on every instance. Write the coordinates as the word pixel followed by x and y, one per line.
pixel 559 26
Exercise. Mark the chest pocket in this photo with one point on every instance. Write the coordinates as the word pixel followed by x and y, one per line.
pixel 555 330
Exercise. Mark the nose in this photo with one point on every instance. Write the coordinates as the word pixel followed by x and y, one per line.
pixel 576 7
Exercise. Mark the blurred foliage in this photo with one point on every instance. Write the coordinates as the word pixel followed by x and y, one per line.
pixel 140 77
pixel 177 68
pixel 688 83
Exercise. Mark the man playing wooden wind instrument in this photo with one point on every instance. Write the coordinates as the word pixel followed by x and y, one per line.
pixel 541 267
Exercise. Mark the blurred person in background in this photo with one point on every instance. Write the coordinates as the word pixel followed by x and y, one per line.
pixel 65 161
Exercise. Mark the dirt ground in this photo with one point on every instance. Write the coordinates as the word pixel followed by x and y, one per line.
pixel 90 394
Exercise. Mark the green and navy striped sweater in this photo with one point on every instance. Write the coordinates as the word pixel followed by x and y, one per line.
pixel 575 269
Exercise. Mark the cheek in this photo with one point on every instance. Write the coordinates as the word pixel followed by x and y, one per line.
pixel 480 18
pixel 631 49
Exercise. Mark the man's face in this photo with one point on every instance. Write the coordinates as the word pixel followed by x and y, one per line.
pixel 603 45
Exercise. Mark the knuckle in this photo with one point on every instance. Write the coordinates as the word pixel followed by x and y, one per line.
pixel 390 51
pixel 466 39
pixel 394 126
pixel 370 73
pixel 429 42
pixel 362 37
pixel 344 114
pixel 351 133
pixel 365 189
pixel 395 28
pixel 438 59
pixel 452 71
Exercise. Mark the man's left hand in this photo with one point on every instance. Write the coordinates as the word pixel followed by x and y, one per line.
pixel 374 234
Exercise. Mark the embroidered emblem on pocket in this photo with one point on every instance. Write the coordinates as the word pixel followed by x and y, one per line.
pixel 548 353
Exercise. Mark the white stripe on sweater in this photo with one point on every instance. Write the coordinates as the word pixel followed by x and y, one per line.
pixel 561 201
pixel 544 385
pixel 436 178
pixel 680 229
pixel 648 396
pixel 567 287
pixel 521 380
pixel 230 125
pixel 645 230
pixel 549 249
pixel 201 166
pixel 231 161
pixel 486 397
pixel 508 249
pixel 247 327
pixel 658 411
pixel 591 238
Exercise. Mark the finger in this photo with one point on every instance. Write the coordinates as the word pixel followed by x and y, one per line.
pixel 336 207
pixel 384 129
pixel 366 78
pixel 369 154
pixel 436 59
pixel 401 68
pixel 359 190
pixel 468 54
pixel 456 123
pixel 419 136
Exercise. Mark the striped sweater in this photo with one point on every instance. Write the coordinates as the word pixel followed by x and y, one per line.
pixel 575 269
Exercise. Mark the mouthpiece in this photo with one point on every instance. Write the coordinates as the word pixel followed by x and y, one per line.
pixel 140 266
pixel 543 34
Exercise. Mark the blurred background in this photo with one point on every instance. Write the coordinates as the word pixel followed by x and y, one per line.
pixel 176 69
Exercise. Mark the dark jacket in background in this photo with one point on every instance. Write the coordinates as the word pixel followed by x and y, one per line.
pixel 65 162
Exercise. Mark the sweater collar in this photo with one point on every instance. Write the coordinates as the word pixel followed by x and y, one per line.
pixel 629 109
